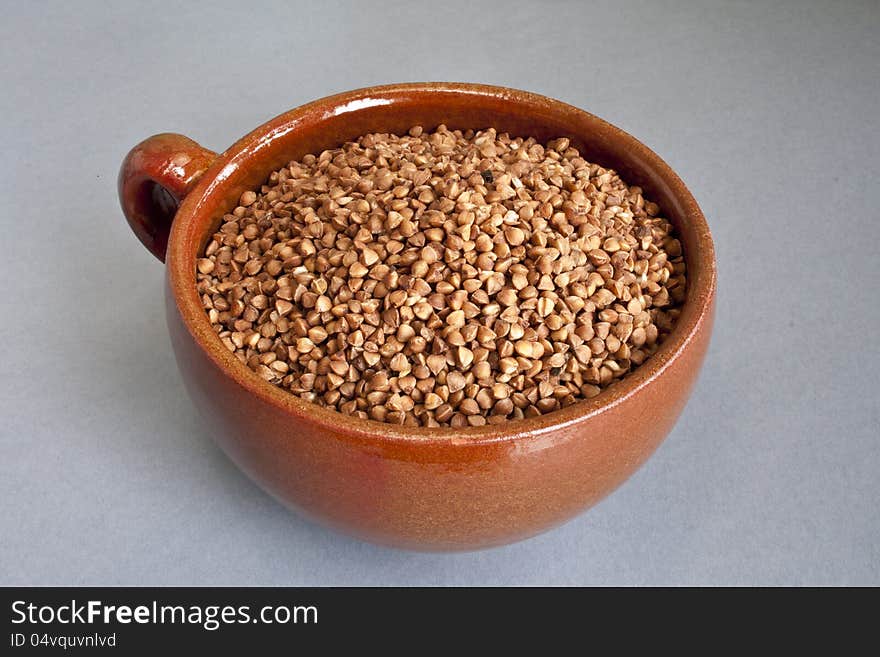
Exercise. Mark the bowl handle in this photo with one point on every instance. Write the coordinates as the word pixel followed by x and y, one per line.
pixel 154 178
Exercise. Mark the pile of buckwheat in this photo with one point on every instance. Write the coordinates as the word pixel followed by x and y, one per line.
pixel 443 279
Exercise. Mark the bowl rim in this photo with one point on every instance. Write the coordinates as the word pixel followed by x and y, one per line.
pixel 183 246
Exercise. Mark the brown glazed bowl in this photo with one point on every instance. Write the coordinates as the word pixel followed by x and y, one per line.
pixel 424 488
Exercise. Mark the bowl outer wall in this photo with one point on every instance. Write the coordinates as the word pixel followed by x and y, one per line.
pixel 424 488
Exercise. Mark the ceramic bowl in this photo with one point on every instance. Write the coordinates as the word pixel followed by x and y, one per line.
pixel 423 488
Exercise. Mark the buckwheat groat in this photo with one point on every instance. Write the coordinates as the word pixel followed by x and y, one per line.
pixel 443 278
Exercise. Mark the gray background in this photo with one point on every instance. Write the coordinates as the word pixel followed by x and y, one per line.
pixel 769 111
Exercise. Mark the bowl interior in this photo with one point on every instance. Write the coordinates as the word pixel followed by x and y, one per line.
pixel 330 122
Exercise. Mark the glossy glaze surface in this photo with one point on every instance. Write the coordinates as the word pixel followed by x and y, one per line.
pixel 417 487
pixel 154 177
